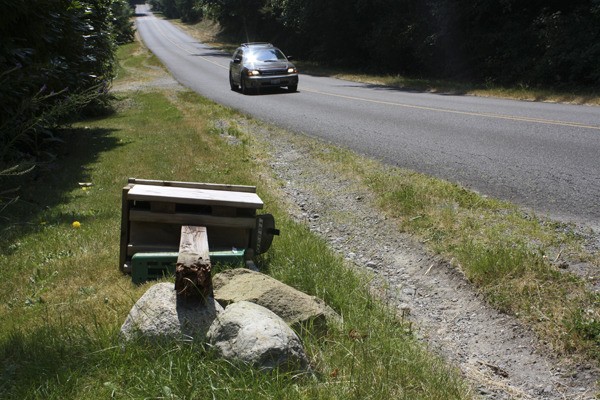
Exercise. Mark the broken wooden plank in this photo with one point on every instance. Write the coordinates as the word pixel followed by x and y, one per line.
pixel 195 196
pixel 193 280
pixel 190 218
pixel 196 185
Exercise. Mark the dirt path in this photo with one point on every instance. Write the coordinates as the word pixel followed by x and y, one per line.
pixel 500 356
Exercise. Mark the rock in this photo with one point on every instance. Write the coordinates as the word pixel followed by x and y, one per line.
pixel 252 334
pixel 160 314
pixel 298 309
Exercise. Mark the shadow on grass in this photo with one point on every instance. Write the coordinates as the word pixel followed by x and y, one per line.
pixel 50 182
pixel 35 363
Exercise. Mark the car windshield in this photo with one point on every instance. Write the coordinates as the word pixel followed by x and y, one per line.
pixel 266 55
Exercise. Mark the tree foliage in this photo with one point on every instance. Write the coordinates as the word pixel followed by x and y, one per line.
pixel 550 42
pixel 56 56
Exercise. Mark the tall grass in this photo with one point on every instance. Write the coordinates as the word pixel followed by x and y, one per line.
pixel 511 256
pixel 63 299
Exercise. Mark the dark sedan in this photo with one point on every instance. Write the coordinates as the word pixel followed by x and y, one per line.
pixel 261 65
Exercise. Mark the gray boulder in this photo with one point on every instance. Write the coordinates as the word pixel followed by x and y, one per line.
pixel 254 335
pixel 296 308
pixel 160 314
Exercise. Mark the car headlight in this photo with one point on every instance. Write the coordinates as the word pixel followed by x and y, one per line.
pixel 253 72
pixel 292 70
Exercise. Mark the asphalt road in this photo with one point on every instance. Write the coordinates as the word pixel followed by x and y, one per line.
pixel 543 156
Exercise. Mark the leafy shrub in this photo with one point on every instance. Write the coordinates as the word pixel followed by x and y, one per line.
pixel 57 57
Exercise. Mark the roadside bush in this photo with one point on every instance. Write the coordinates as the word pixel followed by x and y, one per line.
pixel 122 24
pixel 57 57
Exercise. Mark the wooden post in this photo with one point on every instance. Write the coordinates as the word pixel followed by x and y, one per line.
pixel 193 270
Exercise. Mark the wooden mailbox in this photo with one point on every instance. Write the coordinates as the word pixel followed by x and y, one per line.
pixel 153 213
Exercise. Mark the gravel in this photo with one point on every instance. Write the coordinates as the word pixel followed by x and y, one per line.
pixel 500 356
pixel 497 354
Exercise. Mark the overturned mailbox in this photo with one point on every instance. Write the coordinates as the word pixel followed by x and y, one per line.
pixel 154 212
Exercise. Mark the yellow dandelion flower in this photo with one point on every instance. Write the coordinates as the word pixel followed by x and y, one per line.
pixel 76 224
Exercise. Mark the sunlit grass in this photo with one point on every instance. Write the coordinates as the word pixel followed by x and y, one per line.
pixel 63 298
pixel 511 256
pixel 505 252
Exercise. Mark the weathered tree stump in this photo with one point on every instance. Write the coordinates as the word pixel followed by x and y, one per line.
pixel 193 280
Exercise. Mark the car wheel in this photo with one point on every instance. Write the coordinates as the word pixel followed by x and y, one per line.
pixel 232 84
pixel 245 89
pixel 293 88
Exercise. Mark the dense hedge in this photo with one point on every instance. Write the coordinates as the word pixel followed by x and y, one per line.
pixel 549 42
pixel 56 57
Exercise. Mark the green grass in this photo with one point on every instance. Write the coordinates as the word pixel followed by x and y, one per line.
pixel 511 257
pixel 63 299
pixel 506 253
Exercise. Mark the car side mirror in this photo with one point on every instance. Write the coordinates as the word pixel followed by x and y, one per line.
pixel 237 60
pixel 290 58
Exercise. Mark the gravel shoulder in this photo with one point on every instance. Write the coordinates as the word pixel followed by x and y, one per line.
pixel 495 352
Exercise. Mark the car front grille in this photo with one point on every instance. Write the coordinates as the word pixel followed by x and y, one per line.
pixel 273 72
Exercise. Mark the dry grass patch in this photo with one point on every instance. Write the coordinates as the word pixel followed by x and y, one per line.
pixel 511 256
